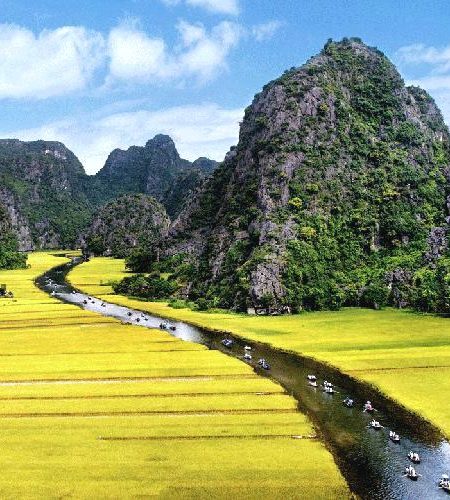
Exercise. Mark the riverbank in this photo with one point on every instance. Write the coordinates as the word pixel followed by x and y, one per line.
pixel 405 355
pixel 96 408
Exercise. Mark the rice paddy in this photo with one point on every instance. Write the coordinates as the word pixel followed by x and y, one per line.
pixel 404 354
pixel 93 408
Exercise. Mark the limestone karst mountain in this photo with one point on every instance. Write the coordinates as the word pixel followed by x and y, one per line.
pixel 340 177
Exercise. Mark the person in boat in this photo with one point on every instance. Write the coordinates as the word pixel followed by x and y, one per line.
pixel 368 406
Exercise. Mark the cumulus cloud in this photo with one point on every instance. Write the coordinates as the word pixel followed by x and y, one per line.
pixel 265 31
pixel 135 56
pixel 419 53
pixel 55 62
pixel 198 130
pixel 230 7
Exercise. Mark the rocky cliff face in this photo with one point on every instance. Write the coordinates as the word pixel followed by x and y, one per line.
pixel 340 169
pixel 126 223
pixel 42 185
pixel 155 169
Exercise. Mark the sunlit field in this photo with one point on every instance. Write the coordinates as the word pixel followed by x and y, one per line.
pixel 92 408
pixel 405 354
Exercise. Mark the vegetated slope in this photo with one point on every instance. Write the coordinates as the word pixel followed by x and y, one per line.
pixel 128 222
pixel 155 169
pixel 10 257
pixel 336 193
pixel 43 186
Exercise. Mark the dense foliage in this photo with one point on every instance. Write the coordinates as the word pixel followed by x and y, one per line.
pixel 151 287
pixel 131 225
pixel 10 257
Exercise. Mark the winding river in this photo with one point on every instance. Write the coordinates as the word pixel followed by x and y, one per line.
pixel 372 465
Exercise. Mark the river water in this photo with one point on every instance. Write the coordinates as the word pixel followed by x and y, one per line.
pixel 372 465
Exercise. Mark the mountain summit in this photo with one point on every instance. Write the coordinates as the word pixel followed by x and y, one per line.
pixel 155 169
pixel 341 175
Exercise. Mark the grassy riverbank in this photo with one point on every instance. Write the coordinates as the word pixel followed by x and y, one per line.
pixel 92 408
pixel 405 354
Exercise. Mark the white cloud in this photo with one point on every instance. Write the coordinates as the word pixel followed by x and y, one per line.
pixel 420 53
pixel 230 7
pixel 432 82
pixel 136 57
pixel 198 130
pixel 53 63
pixel 265 31
pixel 62 61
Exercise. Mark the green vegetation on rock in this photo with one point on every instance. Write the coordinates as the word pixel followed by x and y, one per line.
pixel 10 257
pixel 128 224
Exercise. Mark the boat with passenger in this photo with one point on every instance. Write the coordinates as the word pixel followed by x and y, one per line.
pixel 348 402
pixel 411 473
pixel 414 457
pixel 444 483
pixel 375 425
pixel 394 437
pixel 368 408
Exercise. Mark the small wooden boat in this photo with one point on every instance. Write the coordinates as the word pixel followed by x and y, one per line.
pixel 414 457
pixel 376 425
pixel 368 407
pixel 444 483
pixel 263 364
pixel 411 473
pixel 395 438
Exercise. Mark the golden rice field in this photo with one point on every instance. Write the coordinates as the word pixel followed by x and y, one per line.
pixel 92 408
pixel 404 354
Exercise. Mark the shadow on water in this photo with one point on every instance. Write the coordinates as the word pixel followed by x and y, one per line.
pixel 372 465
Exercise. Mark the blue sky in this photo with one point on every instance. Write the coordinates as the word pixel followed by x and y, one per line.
pixel 98 75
